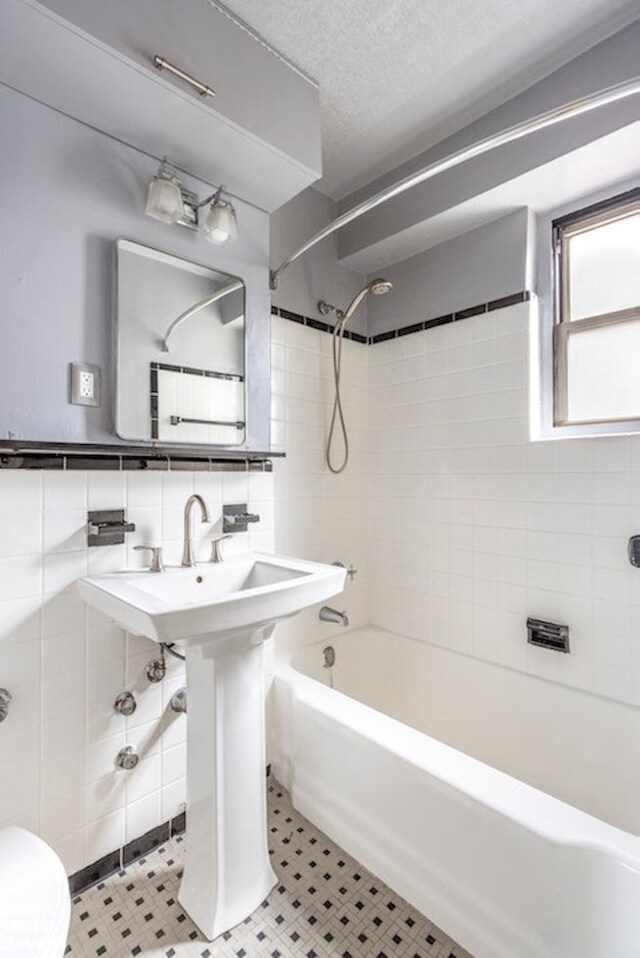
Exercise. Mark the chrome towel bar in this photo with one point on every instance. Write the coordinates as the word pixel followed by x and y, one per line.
pixel 177 420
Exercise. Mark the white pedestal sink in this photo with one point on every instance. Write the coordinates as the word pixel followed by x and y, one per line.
pixel 220 614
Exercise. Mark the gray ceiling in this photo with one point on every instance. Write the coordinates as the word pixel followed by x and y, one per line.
pixel 397 76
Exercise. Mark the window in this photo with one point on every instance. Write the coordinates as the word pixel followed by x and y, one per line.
pixel 597 313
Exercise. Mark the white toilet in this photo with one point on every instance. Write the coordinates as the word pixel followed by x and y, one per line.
pixel 35 905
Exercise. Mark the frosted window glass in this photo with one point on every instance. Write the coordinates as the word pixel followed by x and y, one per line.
pixel 603 374
pixel 604 268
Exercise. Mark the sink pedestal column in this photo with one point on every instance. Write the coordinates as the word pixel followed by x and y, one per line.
pixel 227 872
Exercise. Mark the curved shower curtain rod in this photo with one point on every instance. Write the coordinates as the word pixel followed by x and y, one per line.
pixel 585 105
pixel 207 301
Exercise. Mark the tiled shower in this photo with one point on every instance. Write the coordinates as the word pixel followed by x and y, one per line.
pixel 459 525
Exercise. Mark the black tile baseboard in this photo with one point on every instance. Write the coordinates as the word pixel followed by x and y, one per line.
pixel 94 873
pixel 502 303
pixel 119 859
pixel 146 843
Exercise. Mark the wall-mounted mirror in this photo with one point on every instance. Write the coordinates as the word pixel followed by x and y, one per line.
pixel 180 350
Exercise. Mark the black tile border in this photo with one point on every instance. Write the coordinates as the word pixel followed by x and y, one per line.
pixel 191 371
pixel 94 873
pixel 72 457
pixel 504 301
pixel 146 843
pixel 155 368
pixel 438 321
pixel 115 861
pixel 389 334
pixel 315 324
pixel 407 330
pixel 471 311
pixel 179 824
pixel 512 300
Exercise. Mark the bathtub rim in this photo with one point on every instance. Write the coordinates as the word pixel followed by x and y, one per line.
pixel 458 653
pixel 544 815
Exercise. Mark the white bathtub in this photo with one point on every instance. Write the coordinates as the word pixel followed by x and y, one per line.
pixel 502 806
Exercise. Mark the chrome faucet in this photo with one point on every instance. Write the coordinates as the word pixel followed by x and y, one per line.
pixel 331 615
pixel 188 558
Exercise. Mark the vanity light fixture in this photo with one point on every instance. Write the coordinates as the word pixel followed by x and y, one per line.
pixel 220 225
pixel 164 198
pixel 169 202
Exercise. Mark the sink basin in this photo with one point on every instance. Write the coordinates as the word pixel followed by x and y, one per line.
pixel 220 613
pixel 187 605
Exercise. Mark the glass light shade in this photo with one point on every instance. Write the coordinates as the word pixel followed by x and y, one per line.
pixel 220 225
pixel 164 199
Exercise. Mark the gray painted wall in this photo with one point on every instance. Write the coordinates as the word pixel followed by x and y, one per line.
pixel 479 266
pixel 66 193
pixel 253 82
pixel 610 62
pixel 317 275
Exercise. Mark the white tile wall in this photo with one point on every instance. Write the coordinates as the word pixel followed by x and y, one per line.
pixel 318 515
pixel 458 525
pixel 194 396
pixel 65 664
pixel 472 527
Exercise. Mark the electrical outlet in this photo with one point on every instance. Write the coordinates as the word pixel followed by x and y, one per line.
pixel 85 384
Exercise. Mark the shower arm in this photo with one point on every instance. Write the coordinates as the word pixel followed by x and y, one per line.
pixel 558 115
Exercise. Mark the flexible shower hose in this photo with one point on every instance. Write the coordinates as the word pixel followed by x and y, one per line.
pixel 337 415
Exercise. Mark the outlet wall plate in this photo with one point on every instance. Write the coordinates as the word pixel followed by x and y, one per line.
pixel 85 384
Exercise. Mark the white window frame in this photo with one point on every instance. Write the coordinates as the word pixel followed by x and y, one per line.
pixel 548 330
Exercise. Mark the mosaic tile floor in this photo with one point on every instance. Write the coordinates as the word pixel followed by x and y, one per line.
pixel 326 906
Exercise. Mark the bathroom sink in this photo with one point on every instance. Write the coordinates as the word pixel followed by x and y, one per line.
pixel 220 613
pixel 194 605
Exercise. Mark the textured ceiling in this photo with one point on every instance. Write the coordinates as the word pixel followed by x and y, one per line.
pixel 397 76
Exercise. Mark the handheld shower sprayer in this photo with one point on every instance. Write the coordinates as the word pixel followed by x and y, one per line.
pixel 378 287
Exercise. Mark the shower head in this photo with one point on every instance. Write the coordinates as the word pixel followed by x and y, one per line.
pixel 380 286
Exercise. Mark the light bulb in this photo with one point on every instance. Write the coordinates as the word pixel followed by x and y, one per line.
pixel 220 225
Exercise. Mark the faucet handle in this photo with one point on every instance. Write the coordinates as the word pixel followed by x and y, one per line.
pixel 216 550
pixel 156 565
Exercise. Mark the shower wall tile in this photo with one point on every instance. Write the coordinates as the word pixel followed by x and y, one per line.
pixel 65 663
pixel 472 527
pixel 317 515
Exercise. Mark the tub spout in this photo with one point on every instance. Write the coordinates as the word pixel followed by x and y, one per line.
pixel 331 615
